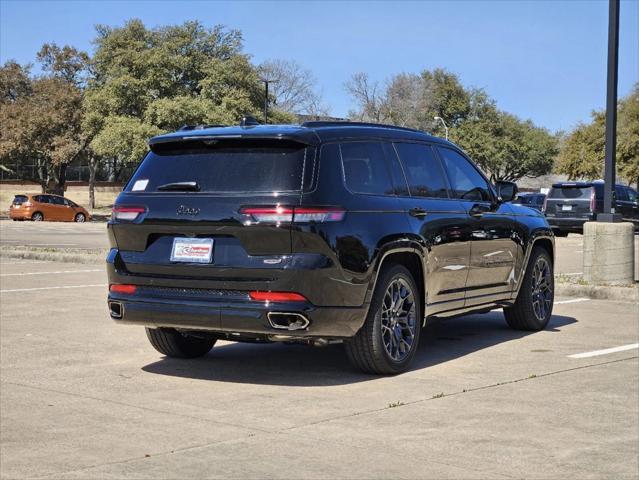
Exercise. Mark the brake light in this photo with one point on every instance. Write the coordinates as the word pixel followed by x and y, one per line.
pixel 123 288
pixel 27 204
pixel 592 200
pixel 280 214
pixel 127 212
pixel 276 296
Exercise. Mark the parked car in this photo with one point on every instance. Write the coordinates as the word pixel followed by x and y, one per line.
pixel 570 204
pixel 39 207
pixel 532 200
pixel 348 232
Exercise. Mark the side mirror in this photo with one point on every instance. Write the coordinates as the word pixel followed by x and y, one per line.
pixel 506 191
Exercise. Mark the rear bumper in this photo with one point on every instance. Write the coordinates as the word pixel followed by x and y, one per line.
pixel 20 213
pixel 570 224
pixel 235 317
pixel 225 307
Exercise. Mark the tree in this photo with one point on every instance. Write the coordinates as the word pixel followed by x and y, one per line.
pixel 583 150
pixel 506 147
pixel 41 122
pixel 293 88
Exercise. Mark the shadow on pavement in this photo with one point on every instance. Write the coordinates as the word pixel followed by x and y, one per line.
pixel 304 366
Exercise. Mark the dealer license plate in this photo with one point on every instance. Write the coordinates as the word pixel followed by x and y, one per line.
pixel 192 250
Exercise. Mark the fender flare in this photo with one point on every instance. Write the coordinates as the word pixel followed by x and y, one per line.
pixel 531 244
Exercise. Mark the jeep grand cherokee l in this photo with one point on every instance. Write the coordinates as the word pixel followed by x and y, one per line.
pixel 322 232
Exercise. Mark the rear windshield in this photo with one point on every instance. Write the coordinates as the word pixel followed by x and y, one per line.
pixel 571 192
pixel 227 167
pixel 19 199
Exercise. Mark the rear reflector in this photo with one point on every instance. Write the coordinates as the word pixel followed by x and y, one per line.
pixel 127 212
pixel 276 297
pixel 123 288
pixel 281 214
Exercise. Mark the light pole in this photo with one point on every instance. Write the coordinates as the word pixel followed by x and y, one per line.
pixel 443 123
pixel 266 82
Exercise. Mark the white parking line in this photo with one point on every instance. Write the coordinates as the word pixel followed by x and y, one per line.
pixel 574 300
pixel 50 273
pixel 606 351
pixel 20 243
pixel 570 274
pixel 52 288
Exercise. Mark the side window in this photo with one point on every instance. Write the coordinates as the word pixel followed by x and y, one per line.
pixel 632 195
pixel 42 199
pixel 622 193
pixel 423 170
pixel 467 183
pixel 365 168
pixel 56 200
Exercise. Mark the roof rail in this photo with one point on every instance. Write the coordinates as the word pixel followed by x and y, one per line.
pixel 186 128
pixel 328 123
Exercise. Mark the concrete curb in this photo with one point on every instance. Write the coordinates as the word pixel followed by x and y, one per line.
pixel 96 256
pixel 598 292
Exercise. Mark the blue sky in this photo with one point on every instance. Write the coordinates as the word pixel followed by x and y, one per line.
pixel 542 60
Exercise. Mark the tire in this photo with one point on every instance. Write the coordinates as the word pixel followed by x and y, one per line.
pixel 172 343
pixel 80 218
pixel 560 233
pixel 37 217
pixel 375 348
pixel 533 308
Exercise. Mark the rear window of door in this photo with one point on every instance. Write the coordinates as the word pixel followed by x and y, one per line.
pixel 465 180
pixel 365 168
pixel 423 171
pixel 227 166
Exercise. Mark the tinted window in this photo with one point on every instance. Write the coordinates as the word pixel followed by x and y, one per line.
pixel 423 171
pixel 19 199
pixel 56 200
pixel 397 173
pixel 70 203
pixel 621 192
pixel 570 192
pixel 42 199
pixel 365 168
pixel 226 166
pixel 632 195
pixel 466 182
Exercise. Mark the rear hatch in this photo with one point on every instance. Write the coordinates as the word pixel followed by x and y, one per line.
pixel 570 200
pixel 209 208
pixel 18 200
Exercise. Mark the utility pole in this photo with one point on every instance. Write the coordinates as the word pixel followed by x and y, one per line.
pixel 608 214
pixel 266 82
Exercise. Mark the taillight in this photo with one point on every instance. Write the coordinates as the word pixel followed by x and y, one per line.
pixel 592 200
pixel 127 212
pixel 123 288
pixel 276 296
pixel 27 204
pixel 280 214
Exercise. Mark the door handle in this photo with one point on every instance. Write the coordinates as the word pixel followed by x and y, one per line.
pixel 417 212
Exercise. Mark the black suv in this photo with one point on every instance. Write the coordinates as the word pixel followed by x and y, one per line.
pixel 317 233
pixel 571 204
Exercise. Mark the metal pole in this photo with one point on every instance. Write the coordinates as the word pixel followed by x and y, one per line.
pixel 265 101
pixel 611 114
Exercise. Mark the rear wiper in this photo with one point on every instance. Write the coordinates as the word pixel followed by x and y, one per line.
pixel 180 187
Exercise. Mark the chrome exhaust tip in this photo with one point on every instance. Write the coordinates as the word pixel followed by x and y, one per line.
pixel 116 309
pixel 287 320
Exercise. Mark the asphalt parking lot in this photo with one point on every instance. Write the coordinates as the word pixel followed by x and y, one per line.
pixel 81 397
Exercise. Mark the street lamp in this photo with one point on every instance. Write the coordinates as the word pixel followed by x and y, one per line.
pixel 266 82
pixel 443 123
